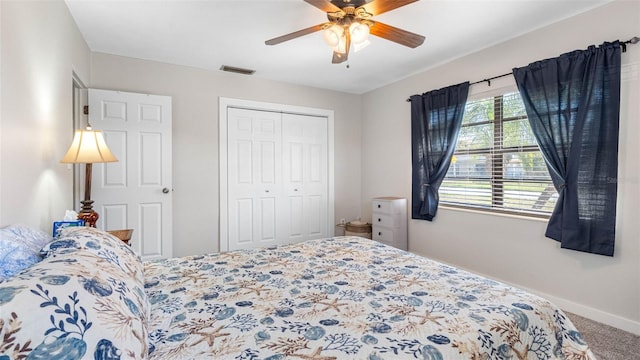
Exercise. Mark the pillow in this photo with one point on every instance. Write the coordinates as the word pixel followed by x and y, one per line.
pixel 92 240
pixel 15 257
pixel 19 249
pixel 33 238
pixel 86 299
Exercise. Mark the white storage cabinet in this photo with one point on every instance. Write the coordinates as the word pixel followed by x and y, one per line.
pixel 389 221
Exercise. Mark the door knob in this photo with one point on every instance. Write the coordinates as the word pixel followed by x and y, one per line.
pixel 165 190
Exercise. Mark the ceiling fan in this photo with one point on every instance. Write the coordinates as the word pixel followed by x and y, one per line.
pixel 350 22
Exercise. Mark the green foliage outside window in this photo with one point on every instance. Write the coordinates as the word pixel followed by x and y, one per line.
pixel 497 164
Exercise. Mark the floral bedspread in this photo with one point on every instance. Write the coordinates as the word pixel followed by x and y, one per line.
pixel 345 298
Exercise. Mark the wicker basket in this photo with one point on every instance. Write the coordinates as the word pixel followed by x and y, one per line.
pixel 358 228
pixel 124 235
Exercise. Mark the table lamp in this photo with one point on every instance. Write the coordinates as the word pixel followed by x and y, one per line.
pixel 88 147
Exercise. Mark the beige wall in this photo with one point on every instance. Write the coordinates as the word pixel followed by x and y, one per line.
pixel 41 47
pixel 509 248
pixel 195 96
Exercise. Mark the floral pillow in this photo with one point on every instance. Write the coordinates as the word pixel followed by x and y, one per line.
pixel 33 238
pixel 86 299
pixel 15 257
pixel 19 248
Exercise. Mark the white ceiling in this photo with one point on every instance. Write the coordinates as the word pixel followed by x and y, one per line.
pixel 209 34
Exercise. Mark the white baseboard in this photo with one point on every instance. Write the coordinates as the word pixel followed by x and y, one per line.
pixel 591 313
pixel 573 307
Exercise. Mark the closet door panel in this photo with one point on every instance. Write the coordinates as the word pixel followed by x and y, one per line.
pixel 254 177
pixel 305 161
pixel 314 215
pixel 243 221
pixel 295 217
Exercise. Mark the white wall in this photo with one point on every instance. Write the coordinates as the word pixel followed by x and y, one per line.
pixel 509 248
pixel 41 47
pixel 195 96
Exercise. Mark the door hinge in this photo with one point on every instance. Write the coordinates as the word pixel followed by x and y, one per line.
pixel 85 109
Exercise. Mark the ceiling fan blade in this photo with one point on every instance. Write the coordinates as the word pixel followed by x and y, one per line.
pixel 378 7
pixel 294 35
pixel 323 5
pixel 395 34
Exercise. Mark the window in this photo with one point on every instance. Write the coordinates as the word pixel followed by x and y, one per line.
pixel 497 164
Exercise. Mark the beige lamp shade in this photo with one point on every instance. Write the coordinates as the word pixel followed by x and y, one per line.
pixel 88 147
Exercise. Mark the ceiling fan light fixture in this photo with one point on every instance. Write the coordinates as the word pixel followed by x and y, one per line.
pixel 332 35
pixel 359 32
pixel 342 45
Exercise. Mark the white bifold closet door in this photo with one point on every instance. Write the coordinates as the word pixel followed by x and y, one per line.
pixel 305 177
pixel 277 178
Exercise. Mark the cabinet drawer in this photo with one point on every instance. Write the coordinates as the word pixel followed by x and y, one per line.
pixel 380 219
pixel 382 206
pixel 383 235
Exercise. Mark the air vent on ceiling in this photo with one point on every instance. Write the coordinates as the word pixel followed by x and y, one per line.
pixel 237 70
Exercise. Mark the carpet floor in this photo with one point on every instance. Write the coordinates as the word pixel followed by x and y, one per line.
pixel 606 342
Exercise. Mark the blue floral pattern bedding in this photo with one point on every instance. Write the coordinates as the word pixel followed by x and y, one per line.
pixel 84 300
pixel 345 298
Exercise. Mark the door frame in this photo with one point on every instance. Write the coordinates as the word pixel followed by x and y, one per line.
pixel 224 104
pixel 80 100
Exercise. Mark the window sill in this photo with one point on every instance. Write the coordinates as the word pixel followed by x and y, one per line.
pixel 539 218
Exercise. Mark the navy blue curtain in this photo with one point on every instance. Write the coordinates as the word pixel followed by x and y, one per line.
pixel 573 105
pixel 436 117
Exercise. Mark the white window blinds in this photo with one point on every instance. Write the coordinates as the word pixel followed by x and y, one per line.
pixel 497 164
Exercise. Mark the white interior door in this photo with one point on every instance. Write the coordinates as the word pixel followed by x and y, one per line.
pixel 305 161
pixel 135 192
pixel 254 178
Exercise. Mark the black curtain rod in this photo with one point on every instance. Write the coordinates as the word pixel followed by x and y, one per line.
pixel 488 81
pixel 623 45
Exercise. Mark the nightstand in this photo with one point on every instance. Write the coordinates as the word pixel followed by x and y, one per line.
pixel 124 235
pixel 389 220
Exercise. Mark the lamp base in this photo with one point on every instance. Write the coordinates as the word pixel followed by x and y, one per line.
pixel 87 213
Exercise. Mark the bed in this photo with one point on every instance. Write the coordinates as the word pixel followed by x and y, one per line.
pixel 336 298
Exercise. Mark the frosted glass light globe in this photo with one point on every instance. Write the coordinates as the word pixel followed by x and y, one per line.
pixel 359 32
pixel 332 35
